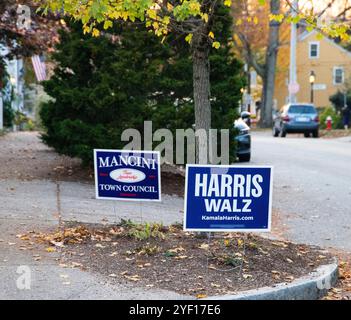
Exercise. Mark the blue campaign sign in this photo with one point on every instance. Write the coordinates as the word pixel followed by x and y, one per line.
pixel 127 175
pixel 228 198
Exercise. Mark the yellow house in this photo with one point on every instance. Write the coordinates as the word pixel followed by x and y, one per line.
pixel 330 63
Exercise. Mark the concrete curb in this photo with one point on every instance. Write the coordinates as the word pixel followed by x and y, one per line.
pixel 311 287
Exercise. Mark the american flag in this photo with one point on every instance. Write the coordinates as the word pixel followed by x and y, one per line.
pixel 39 67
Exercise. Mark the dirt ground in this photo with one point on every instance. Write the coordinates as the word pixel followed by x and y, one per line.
pixel 25 157
pixel 325 134
pixel 167 258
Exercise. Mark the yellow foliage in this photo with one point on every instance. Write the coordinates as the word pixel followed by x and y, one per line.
pixel 189 37
pixel 216 45
pixel 228 3
pixel 95 32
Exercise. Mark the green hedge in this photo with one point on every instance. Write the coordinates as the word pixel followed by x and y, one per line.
pixel 102 87
pixel 330 111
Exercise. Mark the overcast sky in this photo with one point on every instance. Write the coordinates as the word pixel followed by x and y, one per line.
pixel 319 5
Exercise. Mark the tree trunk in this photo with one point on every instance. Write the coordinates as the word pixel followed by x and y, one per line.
pixel 202 93
pixel 270 68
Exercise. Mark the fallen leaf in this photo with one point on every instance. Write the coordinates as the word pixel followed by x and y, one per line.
pixel 280 244
pixel 176 250
pixel 204 246
pixel 247 276
pixel 263 252
pixel 50 249
pixel 22 237
pixel 201 296
pixel 113 254
pixel 112 275
pixel 57 244
pixel 76 264
pixel 115 232
pixel 133 278
pixel 181 257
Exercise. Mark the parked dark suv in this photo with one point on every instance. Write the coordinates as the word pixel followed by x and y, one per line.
pixel 243 138
pixel 296 118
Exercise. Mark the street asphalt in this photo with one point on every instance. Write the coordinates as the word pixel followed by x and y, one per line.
pixel 312 186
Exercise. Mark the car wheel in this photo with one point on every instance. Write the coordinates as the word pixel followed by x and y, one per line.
pixel 307 134
pixel 275 132
pixel 315 134
pixel 244 157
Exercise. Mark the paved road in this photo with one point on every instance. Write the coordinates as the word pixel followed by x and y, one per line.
pixel 312 192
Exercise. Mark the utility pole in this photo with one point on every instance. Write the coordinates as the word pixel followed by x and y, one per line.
pixel 248 92
pixel 293 84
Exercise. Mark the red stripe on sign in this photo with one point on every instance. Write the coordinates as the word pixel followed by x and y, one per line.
pixel 128 194
pixel 152 177
pixel 103 174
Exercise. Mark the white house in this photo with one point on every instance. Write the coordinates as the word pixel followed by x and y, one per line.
pixel 14 91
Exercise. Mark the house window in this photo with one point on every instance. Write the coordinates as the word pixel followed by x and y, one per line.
pixel 338 75
pixel 314 50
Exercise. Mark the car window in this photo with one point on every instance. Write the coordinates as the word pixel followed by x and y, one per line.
pixel 302 109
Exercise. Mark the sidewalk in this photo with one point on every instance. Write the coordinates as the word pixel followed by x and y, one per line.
pixel 32 199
